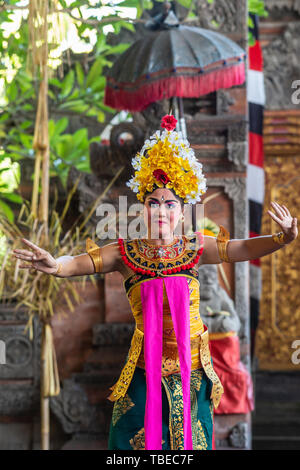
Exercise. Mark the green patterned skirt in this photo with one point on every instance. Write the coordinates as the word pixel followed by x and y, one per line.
pixel 127 424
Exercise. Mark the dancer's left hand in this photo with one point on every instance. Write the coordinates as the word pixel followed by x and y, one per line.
pixel 286 222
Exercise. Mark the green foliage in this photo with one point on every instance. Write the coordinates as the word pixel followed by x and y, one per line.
pixel 256 7
pixel 9 180
pixel 67 149
pixel 79 93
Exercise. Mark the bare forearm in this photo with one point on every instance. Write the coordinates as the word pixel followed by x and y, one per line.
pixel 251 248
pixel 221 248
pixel 68 266
pixel 79 265
pixel 83 264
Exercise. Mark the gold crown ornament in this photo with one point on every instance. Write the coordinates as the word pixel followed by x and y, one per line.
pixel 166 160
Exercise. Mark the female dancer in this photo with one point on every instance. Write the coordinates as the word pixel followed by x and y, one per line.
pixel 166 392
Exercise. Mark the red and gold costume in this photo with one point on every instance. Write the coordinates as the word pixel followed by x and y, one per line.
pixel 166 391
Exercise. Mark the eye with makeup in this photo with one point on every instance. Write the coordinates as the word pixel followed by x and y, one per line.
pixel 169 205
pixel 153 204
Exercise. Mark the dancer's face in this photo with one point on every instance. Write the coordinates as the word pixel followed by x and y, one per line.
pixel 162 211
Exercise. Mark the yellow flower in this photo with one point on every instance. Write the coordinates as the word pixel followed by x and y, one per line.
pixel 164 155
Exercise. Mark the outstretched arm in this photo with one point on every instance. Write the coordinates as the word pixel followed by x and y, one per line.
pixel 252 248
pixel 67 266
pixel 105 260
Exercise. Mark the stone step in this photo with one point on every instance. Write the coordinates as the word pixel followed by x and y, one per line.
pixel 85 443
pixel 113 334
pixel 106 358
pixel 276 418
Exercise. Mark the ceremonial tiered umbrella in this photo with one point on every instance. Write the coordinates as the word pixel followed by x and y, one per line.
pixel 173 61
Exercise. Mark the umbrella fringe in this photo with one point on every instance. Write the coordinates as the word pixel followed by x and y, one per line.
pixel 137 99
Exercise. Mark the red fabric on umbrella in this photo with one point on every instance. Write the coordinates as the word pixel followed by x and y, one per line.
pixel 181 61
pixel 137 99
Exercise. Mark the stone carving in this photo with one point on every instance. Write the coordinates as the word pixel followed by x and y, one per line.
pixel 223 15
pixel 113 334
pixel 293 5
pixel 216 307
pixel 9 313
pixel 238 132
pixel 20 355
pixel 279 320
pixel 282 68
pixel 237 152
pixel 238 436
pixel 224 101
pixel 18 399
pixel 18 351
pixel 125 140
pixel 20 394
pixel 72 408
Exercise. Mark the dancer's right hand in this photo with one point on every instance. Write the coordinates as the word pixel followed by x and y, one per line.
pixel 39 259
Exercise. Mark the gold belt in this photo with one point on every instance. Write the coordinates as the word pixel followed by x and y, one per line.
pixel 120 388
pixel 170 352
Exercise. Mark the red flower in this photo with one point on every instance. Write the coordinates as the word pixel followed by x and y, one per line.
pixel 168 122
pixel 160 175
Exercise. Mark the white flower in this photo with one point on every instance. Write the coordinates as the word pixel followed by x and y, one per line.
pixel 155 136
pixel 143 149
pixel 172 137
pixel 134 185
pixel 197 166
pixel 136 163
pixel 202 185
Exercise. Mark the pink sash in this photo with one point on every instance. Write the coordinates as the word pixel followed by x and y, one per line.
pixel 152 303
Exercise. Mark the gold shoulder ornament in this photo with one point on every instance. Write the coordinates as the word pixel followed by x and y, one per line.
pixel 95 253
pixel 222 241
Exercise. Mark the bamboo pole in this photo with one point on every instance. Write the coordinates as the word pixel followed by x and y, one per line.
pixel 44 402
pixel 44 202
pixel 38 24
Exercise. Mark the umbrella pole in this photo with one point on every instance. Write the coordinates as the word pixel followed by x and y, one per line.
pixel 174 108
pixel 181 117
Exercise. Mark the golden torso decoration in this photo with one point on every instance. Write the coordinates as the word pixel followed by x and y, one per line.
pixel 181 256
pixel 160 258
pixel 170 362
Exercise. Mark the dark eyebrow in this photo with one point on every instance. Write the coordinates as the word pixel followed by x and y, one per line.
pixel 169 200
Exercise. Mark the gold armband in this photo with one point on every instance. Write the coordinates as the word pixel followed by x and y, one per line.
pixel 95 253
pixel 222 240
pixel 279 238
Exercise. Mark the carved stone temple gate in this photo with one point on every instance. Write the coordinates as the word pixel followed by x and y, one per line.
pixel 217 130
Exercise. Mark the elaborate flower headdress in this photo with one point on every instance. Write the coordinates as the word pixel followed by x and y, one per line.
pixel 166 160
